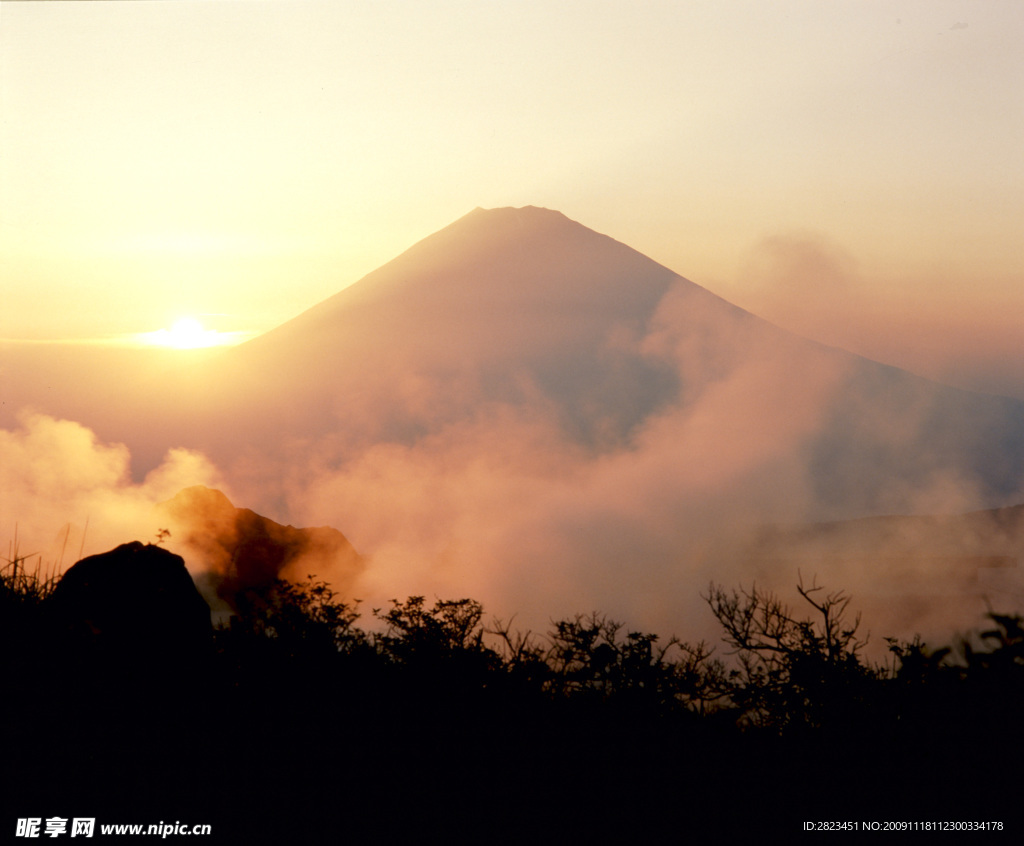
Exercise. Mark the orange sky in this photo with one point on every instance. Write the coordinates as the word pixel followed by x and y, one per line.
pixel 849 170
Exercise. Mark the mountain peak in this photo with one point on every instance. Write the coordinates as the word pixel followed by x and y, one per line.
pixel 518 301
pixel 519 211
pixel 507 267
pixel 482 224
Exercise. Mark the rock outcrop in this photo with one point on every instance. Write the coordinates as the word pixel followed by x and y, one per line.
pixel 136 604
pixel 243 550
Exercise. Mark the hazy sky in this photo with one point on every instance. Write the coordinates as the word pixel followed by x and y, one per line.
pixel 850 170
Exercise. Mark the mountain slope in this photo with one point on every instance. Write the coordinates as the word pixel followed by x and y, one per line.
pixel 524 411
pixel 503 305
pixel 526 311
pixel 524 316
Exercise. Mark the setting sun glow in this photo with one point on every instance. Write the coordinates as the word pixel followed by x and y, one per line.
pixel 186 333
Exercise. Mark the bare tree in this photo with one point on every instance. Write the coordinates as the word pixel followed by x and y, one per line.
pixel 792 670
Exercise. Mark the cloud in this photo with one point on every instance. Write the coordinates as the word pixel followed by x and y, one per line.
pixel 503 504
pixel 799 279
pixel 918 320
pixel 63 492
pixel 552 439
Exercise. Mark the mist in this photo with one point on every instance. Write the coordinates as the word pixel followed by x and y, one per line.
pixel 917 320
pixel 524 412
pixel 64 493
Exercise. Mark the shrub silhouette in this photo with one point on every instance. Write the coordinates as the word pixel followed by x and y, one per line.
pixel 795 672
pixel 415 633
pixel 589 658
pixel 432 713
pixel 297 618
pixel 22 594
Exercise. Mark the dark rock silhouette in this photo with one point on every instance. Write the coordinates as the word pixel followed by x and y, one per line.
pixel 134 602
pixel 244 550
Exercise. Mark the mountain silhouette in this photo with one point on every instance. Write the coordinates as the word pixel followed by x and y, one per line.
pixel 519 330
pixel 524 311
pixel 508 305
pixel 525 411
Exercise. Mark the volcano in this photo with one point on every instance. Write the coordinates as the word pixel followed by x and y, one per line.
pixel 524 312
pixel 510 306
pixel 524 411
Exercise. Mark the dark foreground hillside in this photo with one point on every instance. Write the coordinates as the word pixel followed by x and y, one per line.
pixel 304 723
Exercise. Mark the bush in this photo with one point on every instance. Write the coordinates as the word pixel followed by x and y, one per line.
pixel 795 672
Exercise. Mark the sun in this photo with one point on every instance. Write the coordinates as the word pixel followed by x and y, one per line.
pixel 186 333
